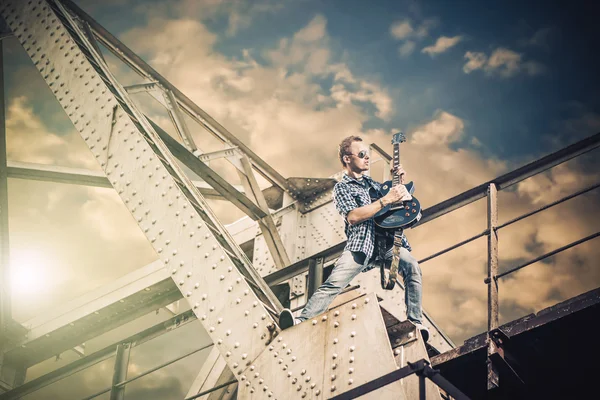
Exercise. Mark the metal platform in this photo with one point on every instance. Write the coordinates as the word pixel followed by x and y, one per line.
pixel 552 352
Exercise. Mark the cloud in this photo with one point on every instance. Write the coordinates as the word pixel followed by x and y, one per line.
pixel 476 61
pixel 444 129
pixel 502 62
pixel 452 285
pixel 239 14
pixel 406 48
pixel 442 44
pixel 401 29
pixel 404 31
pixel 29 139
pixel 275 104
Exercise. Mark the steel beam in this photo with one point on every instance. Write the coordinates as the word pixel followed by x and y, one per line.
pixel 5 300
pixel 86 177
pixel 88 316
pixel 178 120
pixel 120 372
pixel 211 177
pixel 99 356
pixel 213 373
pixel 5 304
pixel 136 63
pixel 315 275
pixel 266 224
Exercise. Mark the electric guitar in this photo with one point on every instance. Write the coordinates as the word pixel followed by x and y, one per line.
pixel 402 214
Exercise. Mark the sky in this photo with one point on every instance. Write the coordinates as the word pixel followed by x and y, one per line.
pixel 479 88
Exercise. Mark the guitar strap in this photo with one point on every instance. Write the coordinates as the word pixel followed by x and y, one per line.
pixel 388 278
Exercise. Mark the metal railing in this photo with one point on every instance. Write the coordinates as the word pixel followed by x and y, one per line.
pixel 488 190
pixel 421 368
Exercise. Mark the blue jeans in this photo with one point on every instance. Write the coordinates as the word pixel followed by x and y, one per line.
pixel 348 266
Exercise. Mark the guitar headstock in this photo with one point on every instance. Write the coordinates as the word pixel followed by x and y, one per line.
pixel 398 138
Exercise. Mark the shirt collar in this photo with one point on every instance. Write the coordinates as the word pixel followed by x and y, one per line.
pixel 347 178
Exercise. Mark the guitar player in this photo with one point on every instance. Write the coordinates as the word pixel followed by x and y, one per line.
pixel 353 201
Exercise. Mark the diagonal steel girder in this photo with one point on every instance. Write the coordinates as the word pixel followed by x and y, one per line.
pixel 188 106
pixel 231 300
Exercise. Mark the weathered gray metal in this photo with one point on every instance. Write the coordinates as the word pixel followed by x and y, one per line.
pixel 85 177
pixel 209 268
pixel 137 64
pixel 492 271
pixel 120 371
pixel 325 356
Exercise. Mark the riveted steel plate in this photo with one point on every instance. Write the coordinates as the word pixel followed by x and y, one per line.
pixel 324 228
pixel 164 203
pixel 357 349
pixel 291 367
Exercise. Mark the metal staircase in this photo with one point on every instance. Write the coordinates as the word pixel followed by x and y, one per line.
pixel 346 347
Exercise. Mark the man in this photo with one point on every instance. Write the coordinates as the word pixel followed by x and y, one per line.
pixel 352 200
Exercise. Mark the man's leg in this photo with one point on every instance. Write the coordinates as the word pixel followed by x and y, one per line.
pixel 346 268
pixel 413 290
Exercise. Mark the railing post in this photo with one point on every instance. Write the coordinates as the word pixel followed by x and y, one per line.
pixel 315 275
pixel 120 373
pixel 492 271
pixel 5 302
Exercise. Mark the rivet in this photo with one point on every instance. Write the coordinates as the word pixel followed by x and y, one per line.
pixel 352 334
pixel 367 300
pixel 352 348
pixel 350 381
pixel 351 370
pixel 228 332
pixel 337 313
pixel 212 329
pixel 335 356
pixel 324 318
pixel 351 360
pixel 314 322
pixel 353 317
pixel 353 306
pixel 336 324
pixel 396 351
pixel 335 341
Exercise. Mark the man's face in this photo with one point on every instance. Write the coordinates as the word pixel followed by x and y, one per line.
pixel 356 163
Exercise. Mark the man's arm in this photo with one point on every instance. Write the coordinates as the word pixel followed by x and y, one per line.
pixel 361 214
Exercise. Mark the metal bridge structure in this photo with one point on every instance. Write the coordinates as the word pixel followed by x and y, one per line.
pixel 236 279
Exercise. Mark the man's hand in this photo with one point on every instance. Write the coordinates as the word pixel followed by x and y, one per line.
pixel 398 171
pixel 396 194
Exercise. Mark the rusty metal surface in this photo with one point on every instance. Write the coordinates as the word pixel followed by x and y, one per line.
pixel 549 346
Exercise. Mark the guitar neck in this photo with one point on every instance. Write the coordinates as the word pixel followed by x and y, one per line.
pixel 396 161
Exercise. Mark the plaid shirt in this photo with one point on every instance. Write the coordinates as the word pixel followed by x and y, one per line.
pixel 349 194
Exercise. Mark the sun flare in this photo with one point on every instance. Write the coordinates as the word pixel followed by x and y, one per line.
pixel 28 270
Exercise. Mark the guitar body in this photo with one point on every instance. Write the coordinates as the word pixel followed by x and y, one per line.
pixel 398 215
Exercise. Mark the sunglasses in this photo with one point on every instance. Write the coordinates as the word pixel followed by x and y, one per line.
pixel 361 154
